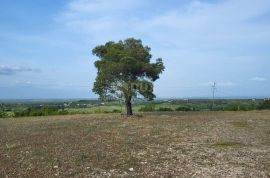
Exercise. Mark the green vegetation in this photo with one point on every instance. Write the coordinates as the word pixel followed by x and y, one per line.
pixel 64 107
pixel 2 114
pixel 125 71
pixel 264 105
pixel 240 106
pixel 41 111
pixel 238 124
pixel 164 109
pixel 227 144
pixel 147 108
pixel 184 108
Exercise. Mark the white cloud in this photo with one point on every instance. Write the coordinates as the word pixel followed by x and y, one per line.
pixel 99 6
pixel 259 79
pixel 100 19
pixel 199 41
pixel 11 70
pixel 23 82
pixel 224 24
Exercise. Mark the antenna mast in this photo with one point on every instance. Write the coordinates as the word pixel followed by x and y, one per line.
pixel 214 89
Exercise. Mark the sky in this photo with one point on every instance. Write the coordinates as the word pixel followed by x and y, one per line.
pixel 45 46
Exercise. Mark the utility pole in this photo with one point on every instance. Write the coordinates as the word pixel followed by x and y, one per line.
pixel 214 89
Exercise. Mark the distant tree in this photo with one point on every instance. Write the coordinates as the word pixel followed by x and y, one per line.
pixel 124 70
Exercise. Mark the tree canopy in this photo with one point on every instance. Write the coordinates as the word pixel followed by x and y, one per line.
pixel 124 70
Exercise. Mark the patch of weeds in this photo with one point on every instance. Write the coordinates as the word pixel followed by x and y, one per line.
pixel 139 115
pixel 82 157
pixel 188 126
pixel 226 144
pixel 156 131
pixel 240 124
pixel 12 146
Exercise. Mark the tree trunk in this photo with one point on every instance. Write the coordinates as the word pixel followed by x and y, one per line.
pixel 129 108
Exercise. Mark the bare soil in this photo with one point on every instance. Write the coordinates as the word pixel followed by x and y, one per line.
pixel 193 144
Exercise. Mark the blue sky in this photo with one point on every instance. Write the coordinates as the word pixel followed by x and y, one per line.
pixel 45 46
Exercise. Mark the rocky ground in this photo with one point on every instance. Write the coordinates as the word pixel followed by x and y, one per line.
pixel 192 144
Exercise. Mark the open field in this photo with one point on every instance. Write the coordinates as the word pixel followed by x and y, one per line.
pixel 192 144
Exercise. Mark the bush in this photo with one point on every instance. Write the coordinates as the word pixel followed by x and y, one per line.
pixel 183 108
pixel 63 112
pixel 40 111
pixel 2 114
pixel 165 109
pixel 232 106
pixel 218 108
pixel 264 105
pixel 116 111
pixel 238 106
pixel 98 111
pixel 252 106
pixel 147 108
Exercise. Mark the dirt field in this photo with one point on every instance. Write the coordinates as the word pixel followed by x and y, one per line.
pixel 199 144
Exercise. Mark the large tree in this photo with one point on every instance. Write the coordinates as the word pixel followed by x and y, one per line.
pixel 124 70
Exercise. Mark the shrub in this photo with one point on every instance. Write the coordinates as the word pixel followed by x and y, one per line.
pixel 183 108
pixel 232 106
pixel 2 114
pixel 165 109
pixel 63 112
pixel 98 111
pixel 239 106
pixel 251 106
pixel 218 108
pixel 116 111
pixel 147 108
pixel 264 105
pixel 40 111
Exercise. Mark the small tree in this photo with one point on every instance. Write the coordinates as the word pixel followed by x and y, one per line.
pixel 124 70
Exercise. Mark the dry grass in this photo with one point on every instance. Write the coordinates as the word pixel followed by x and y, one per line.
pixel 199 144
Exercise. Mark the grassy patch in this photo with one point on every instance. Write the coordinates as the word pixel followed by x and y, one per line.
pixel 12 146
pixel 240 124
pixel 227 144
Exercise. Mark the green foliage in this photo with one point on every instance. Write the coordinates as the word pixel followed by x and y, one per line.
pixel 116 111
pixel 164 109
pixel 184 108
pixel 147 108
pixel 226 144
pixel 232 106
pixel 240 106
pixel 99 111
pixel 2 114
pixel 62 112
pixel 31 108
pixel 264 105
pixel 125 71
pixel 218 108
pixel 40 111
